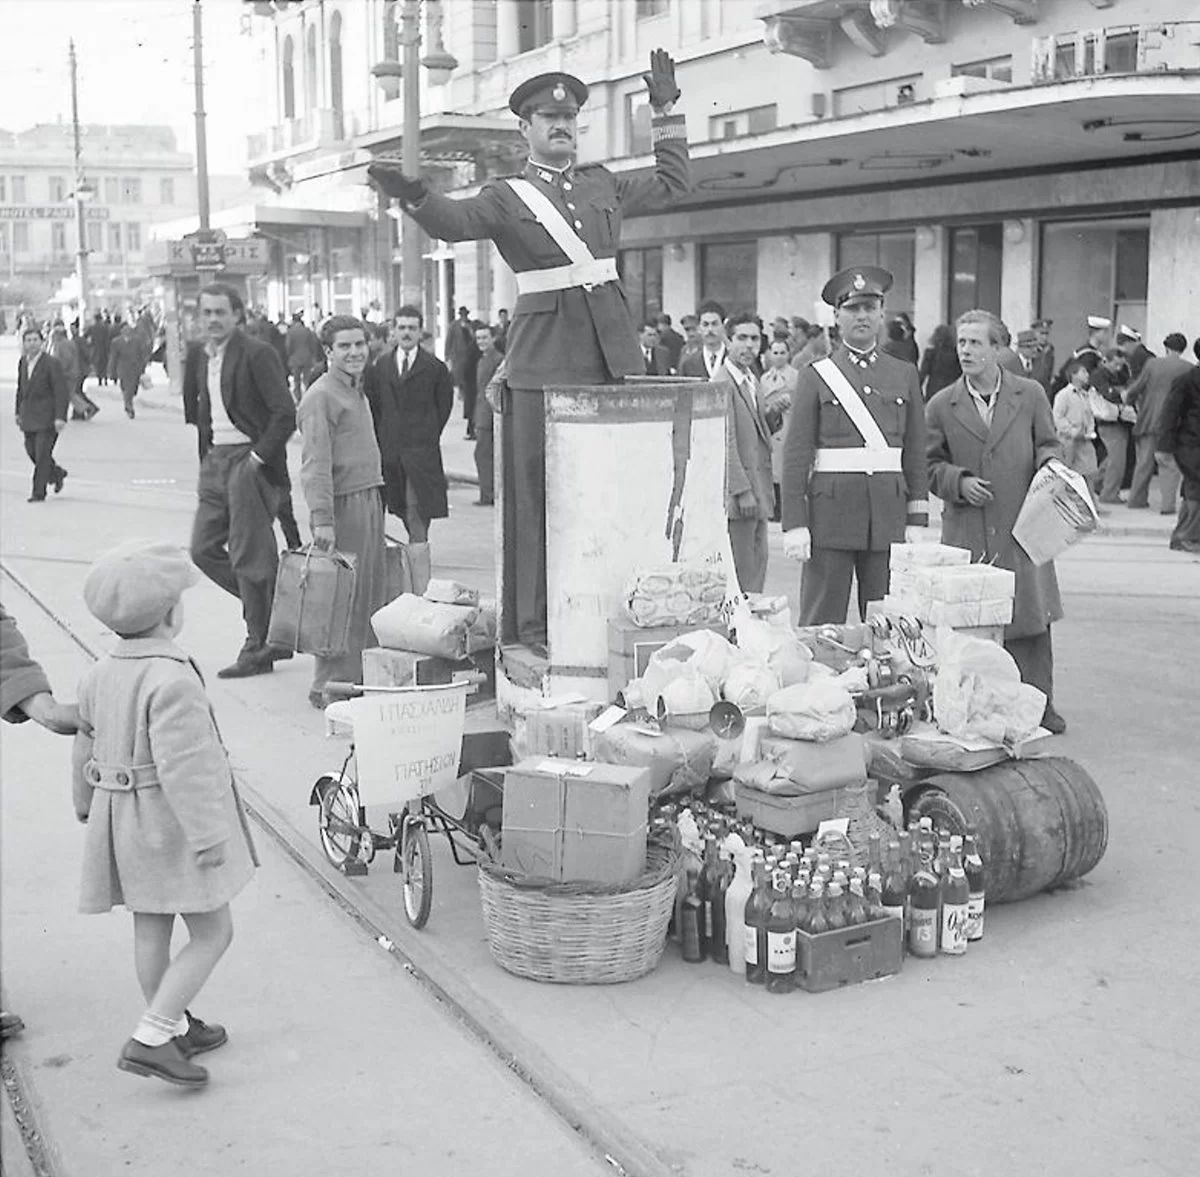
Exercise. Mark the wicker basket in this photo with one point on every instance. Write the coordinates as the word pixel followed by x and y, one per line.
pixel 581 933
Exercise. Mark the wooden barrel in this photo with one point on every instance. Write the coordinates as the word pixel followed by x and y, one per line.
pixel 1040 822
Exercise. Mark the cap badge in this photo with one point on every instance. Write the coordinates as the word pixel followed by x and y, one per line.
pixel 559 93
pixel 859 282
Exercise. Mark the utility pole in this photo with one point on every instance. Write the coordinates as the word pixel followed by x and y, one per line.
pixel 81 252
pixel 201 131
pixel 412 263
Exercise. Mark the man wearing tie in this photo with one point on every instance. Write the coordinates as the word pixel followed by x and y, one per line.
pixel 708 361
pixel 1029 350
pixel 43 397
pixel 656 357
pixel 411 396
pixel 749 489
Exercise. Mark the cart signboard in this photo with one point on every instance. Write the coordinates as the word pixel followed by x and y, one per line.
pixel 408 741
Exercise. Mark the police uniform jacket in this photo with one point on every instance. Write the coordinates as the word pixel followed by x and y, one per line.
pixel 851 510
pixel 572 336
pixel 1020 438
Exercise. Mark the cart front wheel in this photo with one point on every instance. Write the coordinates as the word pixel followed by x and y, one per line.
pixel 337 820
pixel 417 865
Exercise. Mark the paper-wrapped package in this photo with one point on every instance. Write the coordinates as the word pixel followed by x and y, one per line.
pixel 819 710
pixel 426 627
pixel 679 760
pixel 968 614
pixel 906 556
pixel 676 594
pixel 960 583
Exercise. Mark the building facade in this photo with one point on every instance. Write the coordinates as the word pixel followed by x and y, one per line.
pixel 1039 158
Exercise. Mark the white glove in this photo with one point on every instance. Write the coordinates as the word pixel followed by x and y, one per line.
pixel 917 535
pixel 797 544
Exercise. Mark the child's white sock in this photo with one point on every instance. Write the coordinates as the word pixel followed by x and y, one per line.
pixel 181 1027
pixel 154 1030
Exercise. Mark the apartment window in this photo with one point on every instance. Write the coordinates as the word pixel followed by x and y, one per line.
pixel 641 274
pixel 895 252
pixel 18 187
pixel 114 237
pixel 535 24
pixel 1121 53
pixel 996 69
pixel 853 100
pixel 289 78
pixel 391 33
pixel 335 76
pixel 3 188
pixel 131 190
pixel 133 237
pixel 754 121
pixel 20 236
pixel 3 234
pixel 310 69
pixel 58 189
pixel 112 190
pixel 166 190
pixel 58 237
pixel 648 8
pixel 637 124
pixel 729 273
pixel 975 252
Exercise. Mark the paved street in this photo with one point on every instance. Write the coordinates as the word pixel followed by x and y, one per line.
pixel 1066 1043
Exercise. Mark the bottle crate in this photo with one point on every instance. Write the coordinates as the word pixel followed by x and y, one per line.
pixel 846 956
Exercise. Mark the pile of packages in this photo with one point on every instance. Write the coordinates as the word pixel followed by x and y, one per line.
pixel 940 586
pixel 427 639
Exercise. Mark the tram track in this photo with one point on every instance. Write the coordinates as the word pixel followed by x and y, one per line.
pixel 606 1137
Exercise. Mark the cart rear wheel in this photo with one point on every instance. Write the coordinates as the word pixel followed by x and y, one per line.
pixel 337 820
pixel 418 873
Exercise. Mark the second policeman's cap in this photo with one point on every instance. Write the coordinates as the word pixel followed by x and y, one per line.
pixel 555 91
pixel 857 282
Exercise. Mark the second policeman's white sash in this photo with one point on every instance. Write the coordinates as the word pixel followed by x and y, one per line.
pixel 875 455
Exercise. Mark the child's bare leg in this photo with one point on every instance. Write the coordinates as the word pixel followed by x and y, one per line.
pixel 211 933
pixel 151 949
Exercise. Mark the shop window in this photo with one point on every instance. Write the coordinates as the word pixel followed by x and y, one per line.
pixel 637 124
pixel 289 78
pixel 996 69
pixel 729 273
pixel 535 24
pixel 975 253
pixel 894 251
pixel 641 275
pixel 754 121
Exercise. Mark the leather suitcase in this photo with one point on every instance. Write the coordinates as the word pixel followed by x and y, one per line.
pixel 314 593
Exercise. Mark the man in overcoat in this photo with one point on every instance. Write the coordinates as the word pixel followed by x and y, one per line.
pixel 127 358
pixel 235 392
pixel 854 475
pixel 411 395
pixel 1179 442
pixel 1148 394
pixel 558 227
pixel 989 432
pixel 97 336
pixel 43 395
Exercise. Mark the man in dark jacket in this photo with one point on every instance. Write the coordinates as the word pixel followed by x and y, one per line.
pixel 669 338
pixel 304 356
pixel 490 357
pixel 1148 394
pixel 97 336
pixel 558 226
pixel 411 397
pixel 127 357
pixel 1179 443
pixel 235 393
pixel 43 395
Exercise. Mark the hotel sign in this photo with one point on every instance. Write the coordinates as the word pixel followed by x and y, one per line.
pixel 48 212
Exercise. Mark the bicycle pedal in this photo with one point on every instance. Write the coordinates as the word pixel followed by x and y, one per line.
pixel 354 867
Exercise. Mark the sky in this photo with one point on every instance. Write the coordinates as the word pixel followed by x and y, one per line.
pixel 135 66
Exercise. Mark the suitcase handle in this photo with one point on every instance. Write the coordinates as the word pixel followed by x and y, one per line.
pixel 338 691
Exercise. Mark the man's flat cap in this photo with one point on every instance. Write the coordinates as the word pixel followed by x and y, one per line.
pixel 858 282
pixel 546 92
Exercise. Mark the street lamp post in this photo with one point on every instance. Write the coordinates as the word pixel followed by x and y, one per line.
pixel 440 65
pixel 82 194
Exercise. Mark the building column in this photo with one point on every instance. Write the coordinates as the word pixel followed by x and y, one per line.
pixel 791 272
pixel 1018 280
pixel 679 280
pixel 1173 294
pixel 929 280
pixel 508 32
pixel 562 18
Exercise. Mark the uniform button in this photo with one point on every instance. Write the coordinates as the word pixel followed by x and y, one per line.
pixel 566 187
pixel 122 778
pixel 578 224
pixel 570 206
pixel 867 389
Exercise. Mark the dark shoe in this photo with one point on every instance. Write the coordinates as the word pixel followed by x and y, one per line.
pixel 1112 500
pixel 166 1062
pixel 36 499
pixel 58 480
pixel 10 1024
pixel 317 699
pixel 1170 511
pixel 1053 722
pixel 200 1038
pixel 248 664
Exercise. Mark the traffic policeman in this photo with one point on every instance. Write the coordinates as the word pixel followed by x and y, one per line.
pixel 558 225
pixel 855 479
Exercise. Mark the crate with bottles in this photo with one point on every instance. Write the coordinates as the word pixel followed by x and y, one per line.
pixel 816 915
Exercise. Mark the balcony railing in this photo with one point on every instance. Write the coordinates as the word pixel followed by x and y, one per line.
pixel 316 128
pixel 1170 47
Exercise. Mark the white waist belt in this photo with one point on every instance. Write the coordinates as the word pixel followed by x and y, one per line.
pixel 589 273
pixel 857 460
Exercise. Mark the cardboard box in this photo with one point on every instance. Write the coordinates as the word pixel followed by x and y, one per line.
pixel 575 821
pixel 786 816
pixel 559 731
pixel 813 767
pixel 384 667
pixel 630 647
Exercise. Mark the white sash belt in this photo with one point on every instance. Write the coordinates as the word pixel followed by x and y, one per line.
pixel 586 274
pixel 847 396
pixel 857 460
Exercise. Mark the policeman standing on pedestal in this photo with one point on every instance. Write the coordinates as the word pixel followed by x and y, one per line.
pixel 855 479
pixel 558 226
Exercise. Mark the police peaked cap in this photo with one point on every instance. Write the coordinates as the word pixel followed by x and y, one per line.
pixel 554 91
pixel 857 282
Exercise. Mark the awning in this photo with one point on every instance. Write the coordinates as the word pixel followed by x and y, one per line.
pixel 243 220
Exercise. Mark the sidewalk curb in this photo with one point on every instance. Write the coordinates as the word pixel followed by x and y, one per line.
pixel 25 1148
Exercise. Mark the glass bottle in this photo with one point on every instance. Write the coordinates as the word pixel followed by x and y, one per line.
pixel 709 869
pixel 942 862
pixel 781 937
pixel 973 865
pixel 835 908
pixel 818 909
pixel 718 950
pixel 736 895
pixel 856 903
pixel 875 854
pixel 800 906
pixel 691 923
pixel 923 909
pixel 875 910
pixel 955 898
pixel 895 885
pixel 757 908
